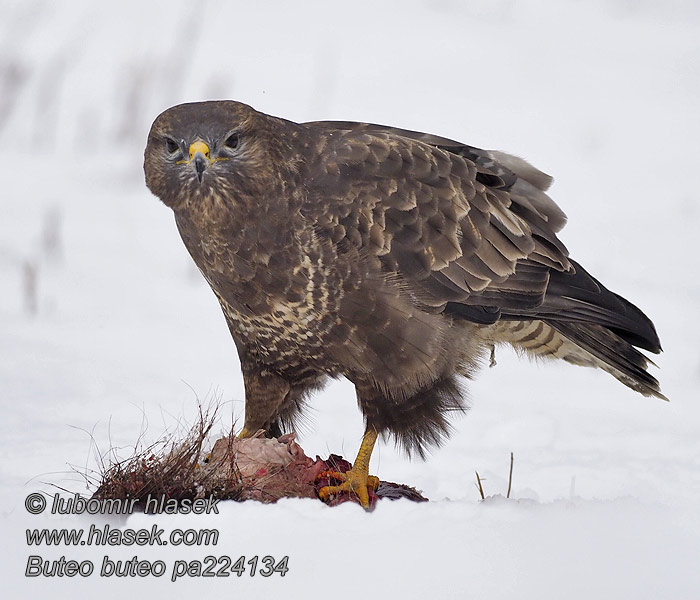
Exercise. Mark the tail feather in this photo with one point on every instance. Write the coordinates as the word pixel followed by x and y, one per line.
pixel 601 323
pixel 615 355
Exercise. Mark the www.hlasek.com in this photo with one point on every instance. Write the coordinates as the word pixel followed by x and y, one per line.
pixel 210 566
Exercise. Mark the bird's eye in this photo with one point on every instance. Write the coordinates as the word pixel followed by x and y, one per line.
pixel 232 141
pixel 171 145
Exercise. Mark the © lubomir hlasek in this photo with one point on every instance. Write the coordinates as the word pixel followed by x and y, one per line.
pixel 394 258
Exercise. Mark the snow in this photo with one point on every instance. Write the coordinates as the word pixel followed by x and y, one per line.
pixel 127 336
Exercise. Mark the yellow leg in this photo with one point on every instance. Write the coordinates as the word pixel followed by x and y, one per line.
pixel 357 480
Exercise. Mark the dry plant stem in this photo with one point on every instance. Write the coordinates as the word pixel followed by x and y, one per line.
pixel 31 284
pixel 481 489
pixel 510 476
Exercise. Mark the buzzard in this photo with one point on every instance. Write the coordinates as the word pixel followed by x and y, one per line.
pixel 394 258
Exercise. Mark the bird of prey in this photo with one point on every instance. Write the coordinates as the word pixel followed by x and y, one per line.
pixel 394 258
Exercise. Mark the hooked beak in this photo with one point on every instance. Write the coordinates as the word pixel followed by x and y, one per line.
pixel 199 154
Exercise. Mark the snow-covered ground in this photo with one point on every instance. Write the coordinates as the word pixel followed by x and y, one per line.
pixel 126 336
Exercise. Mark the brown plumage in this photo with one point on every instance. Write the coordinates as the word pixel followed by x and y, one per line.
pixel 394 258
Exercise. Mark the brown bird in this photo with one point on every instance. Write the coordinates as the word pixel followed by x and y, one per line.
pixel 394 258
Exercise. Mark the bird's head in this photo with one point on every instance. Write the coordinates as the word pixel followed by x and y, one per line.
pixel 223 148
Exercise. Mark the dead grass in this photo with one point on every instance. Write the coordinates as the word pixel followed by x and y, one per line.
pixel 173 469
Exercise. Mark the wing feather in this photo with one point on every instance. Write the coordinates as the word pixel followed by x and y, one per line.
pixel 450 219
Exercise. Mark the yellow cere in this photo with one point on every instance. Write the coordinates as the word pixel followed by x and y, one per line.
pixel 199 147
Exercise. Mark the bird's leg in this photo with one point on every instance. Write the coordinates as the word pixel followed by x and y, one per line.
pixel 264 394
pixel 357 480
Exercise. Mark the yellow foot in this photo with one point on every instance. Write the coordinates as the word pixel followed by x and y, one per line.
pixel 250 433
pixel 355 481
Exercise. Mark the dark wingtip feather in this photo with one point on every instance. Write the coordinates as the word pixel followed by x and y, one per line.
pixel 578 296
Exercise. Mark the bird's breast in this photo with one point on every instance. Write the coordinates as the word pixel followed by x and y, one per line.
pixel 280 291
pixel 292 327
